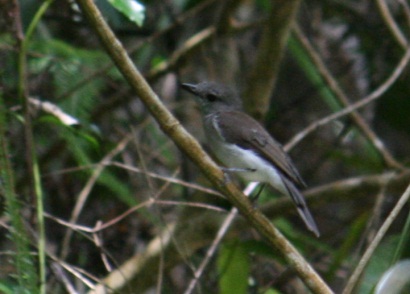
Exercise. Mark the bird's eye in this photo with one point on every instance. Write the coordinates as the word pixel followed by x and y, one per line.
pixel 211 97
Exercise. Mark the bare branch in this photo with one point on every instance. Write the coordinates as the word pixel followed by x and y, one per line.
pixel 356 117
pixel 212 249
pixel 391 23
pixel 82 198
pixel 171 126
pixel 355 106
pixel 376 241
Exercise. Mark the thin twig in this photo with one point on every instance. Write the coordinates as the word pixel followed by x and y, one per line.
pixel 60 274
pixel 219 236
pixel 99 244
pixel 82 198
pixel 376 241
pixel 355 106
pixel 138 170
pixel 169 179
pixel 191 44
pixel 79 273
pixel 212 249
pixel 391 23
pixel 122 216
pixel 406 10
pixel 186 142
pixel 356 117
pixel 180 20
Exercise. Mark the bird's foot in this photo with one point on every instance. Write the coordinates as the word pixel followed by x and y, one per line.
pixel 255 197
pixel 227 178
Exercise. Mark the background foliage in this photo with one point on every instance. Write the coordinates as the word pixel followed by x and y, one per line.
pixel 111 166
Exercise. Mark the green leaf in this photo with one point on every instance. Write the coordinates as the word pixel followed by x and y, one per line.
pixel 312 73
pixel 233 266
pixel 6 289
pixel 396 279
pixel 379 263
pixel 132 9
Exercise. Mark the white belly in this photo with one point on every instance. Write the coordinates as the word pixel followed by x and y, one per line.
pixel 235 157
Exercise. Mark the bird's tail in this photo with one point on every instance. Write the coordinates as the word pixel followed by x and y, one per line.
pixel 301 206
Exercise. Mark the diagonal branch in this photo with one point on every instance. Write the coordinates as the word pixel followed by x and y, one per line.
pixel 171 126
pixel 391 23
pixel 344 100
pixel 376 241
pixel 376 94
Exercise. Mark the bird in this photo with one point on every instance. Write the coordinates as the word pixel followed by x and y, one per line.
pixel 244 146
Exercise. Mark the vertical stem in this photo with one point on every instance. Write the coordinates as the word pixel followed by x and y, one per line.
pixel 35 182
pixel 263 75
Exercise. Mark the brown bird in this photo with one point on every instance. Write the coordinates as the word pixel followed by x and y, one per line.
pixel 243 145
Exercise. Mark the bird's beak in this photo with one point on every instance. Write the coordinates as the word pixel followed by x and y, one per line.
pixel 190 88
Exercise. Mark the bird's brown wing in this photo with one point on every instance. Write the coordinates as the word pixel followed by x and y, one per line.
pixel 257 139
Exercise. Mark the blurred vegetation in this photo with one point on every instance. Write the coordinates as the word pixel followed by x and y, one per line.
pixel 101 155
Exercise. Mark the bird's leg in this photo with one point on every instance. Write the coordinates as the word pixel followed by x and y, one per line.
pixel 227 178
pixel 255 197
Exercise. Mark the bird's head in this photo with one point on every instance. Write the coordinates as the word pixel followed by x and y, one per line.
pixel 214 97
